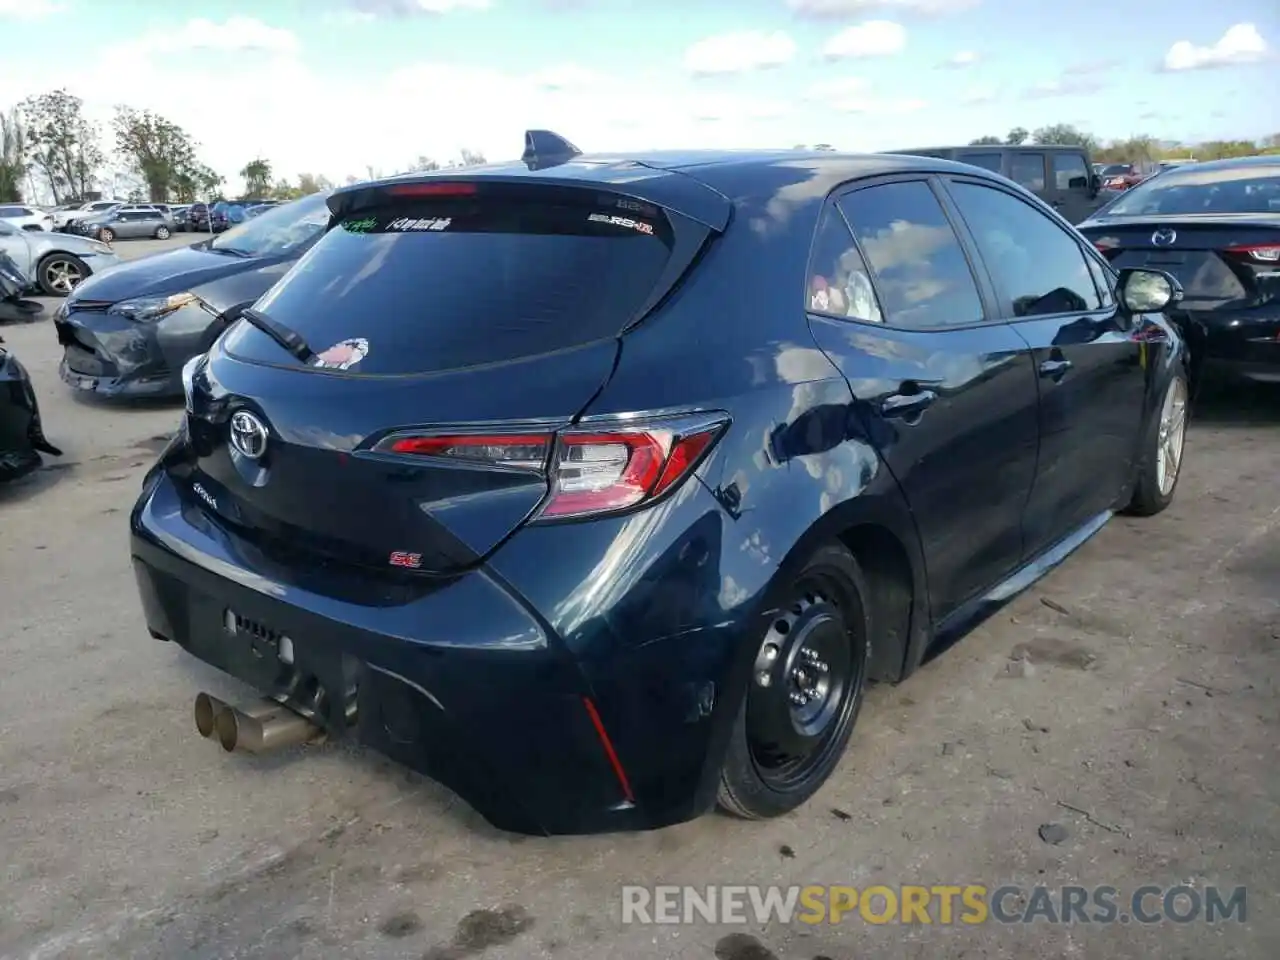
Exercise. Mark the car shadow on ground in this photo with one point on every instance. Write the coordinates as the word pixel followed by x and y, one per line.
pixel 36 483
pixel 100 402
pixel 1237 404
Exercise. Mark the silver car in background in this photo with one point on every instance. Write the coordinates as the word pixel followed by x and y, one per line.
pixel 127 223
pixel 57 262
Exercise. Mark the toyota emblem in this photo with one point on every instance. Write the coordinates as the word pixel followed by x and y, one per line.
pixel 1164 238
pixel 248 435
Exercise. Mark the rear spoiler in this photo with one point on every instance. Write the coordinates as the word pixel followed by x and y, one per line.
pixel 543 162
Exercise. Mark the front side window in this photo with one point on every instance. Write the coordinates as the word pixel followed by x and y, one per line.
pixel 1027 169
pixel 1069 171
pixel 920 269
pixel 1104 279
pixel 839 284
pixel 1039 267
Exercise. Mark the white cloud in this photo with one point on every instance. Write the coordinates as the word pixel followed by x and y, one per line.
pixel 739 52
pixel 566 76
pixel 409 8
pixel 975 95
pixel 1240 44
pixel 1065 86
pixel 29 9
pixel 722 108
pixel 314 118
pixel 842 9
pixel 962 60
pixel 235 35
pixel 874 38
pixel 855 95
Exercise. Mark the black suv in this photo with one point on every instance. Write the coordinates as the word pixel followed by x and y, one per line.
pixel 1061 176
pixel 198 217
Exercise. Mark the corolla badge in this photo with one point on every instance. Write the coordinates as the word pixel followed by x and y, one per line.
pixel 248 434
pixel 1164 238
pixel 344 355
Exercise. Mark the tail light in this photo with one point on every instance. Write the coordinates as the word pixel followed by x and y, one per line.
pixel 1262 252
pixel 606 467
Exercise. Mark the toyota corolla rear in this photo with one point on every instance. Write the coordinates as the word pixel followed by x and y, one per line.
pixel 1216 228
pixel 382 489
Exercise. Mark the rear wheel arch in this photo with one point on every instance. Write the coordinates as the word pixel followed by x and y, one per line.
pixel 879 532
pixel 891 582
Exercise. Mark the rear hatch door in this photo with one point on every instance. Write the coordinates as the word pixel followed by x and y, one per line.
pixel 455 325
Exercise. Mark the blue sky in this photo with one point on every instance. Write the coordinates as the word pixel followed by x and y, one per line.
pixel 341 86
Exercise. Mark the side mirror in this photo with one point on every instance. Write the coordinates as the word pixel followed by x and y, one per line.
pixel 1148 291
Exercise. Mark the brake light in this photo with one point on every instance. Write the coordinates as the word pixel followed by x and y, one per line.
pixel 433 190
pixel 1263 252
pixel 528 451
pixel 604 471
pixel 591 470
pixel 1106 243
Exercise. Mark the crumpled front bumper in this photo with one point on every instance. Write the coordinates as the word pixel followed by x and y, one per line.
pixel 111 355
pixel 22 438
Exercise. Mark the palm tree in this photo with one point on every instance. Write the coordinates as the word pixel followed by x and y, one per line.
pixel 13 156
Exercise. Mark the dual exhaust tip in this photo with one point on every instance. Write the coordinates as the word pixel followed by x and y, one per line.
pixel 265 726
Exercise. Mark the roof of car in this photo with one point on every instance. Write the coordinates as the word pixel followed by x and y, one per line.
pixel 709 166
pixel 1259 160
pixel 987 147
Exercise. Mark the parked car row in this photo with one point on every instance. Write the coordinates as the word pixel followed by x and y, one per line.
pixel 422 412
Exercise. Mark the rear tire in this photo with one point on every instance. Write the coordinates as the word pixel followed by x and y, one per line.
pixel 1160 466
pixel 804 693
pixel 162 233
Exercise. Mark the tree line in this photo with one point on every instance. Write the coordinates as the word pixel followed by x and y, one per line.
pixel 48 138
pixel 1135 148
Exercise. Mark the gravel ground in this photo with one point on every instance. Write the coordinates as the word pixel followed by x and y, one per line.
pixel 1125 707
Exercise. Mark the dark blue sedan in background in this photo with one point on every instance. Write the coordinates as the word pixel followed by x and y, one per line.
pixel 600 488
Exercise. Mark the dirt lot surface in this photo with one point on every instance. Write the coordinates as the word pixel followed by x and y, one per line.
pixel 1125 707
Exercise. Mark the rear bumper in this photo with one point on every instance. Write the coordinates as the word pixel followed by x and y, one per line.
pixel 461 681
pixel 1238 344
pixel 114 356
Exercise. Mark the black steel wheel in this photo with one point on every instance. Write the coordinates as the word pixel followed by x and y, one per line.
pixel 804 693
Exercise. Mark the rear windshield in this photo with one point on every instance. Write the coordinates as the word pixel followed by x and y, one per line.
pixel 1244 189
pixel 433 283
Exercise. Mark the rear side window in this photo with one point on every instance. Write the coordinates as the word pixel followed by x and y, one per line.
pixel 920 269
pixel 438 283
pixel 1039 267
pixel 988 161
pixel 839 283
pixel 11 212
pixel 1027 169
pixel 1069 171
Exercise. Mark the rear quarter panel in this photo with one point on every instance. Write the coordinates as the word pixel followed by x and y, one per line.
pixel 793 471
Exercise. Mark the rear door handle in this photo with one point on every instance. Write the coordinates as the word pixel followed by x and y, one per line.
pixel 906 404
pixel 1055 369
